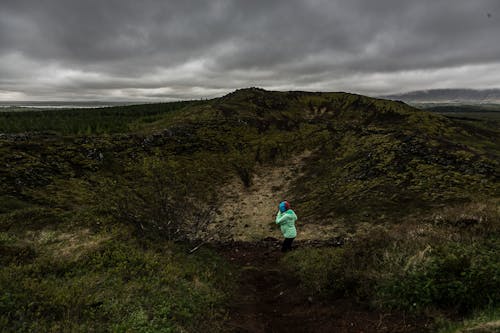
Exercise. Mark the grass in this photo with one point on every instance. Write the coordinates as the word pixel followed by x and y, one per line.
pixel 113 284
pixel 486 321
pixel 447 263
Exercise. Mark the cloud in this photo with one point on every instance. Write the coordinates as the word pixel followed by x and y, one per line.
pixel 65 49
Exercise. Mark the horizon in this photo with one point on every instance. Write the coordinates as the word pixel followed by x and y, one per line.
pixel 45 103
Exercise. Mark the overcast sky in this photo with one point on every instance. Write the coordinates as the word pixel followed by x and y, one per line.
pixel 164 50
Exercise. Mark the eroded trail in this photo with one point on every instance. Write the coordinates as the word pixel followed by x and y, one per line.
pixel 270 299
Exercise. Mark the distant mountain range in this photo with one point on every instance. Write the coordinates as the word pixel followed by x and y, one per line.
pixel 448 96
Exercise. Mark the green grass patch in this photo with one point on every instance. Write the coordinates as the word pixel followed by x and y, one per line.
pixel 119 286
pixel 417 268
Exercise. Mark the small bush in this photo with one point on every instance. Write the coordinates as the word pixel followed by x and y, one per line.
pixel 348 271
pixel 158 200
pixel 456 276
pixel 319 269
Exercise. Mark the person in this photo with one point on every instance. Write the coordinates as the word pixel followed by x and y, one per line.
pixel 286 220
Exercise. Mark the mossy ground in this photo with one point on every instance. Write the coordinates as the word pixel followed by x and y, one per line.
pixel 154 172
pixel 79 281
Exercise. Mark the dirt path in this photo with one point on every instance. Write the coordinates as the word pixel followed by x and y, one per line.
pixel 269 299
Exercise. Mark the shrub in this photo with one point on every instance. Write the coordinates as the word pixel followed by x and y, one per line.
pixel 158 200
pixel 417 271
pixel 348 271
pixel 318 269
pixel 456 276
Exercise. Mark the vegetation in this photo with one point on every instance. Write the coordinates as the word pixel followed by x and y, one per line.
pixel 484 115
pixel 447 263
pixel 115 284
pixel 117 119
pixel 485 321
pixel 97 206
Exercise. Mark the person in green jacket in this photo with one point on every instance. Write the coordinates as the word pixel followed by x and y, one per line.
pixel 286 220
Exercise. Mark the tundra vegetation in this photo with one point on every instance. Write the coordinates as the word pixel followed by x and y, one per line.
pixel 99 207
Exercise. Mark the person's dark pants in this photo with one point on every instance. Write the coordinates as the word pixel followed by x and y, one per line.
pixel 287 244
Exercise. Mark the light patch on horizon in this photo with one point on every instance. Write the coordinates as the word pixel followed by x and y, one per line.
pixel 12 96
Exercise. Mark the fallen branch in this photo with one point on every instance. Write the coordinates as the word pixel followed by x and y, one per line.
pixel 211 238
pixel 196 248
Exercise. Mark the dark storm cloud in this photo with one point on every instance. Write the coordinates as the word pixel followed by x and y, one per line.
pixel 123 49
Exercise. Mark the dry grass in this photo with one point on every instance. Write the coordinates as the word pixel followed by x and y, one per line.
pixel 65 245
pixel 478 217
pixel 491 327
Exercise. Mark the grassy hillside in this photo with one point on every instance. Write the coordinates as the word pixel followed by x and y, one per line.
pixel 363 149
pixel 89 196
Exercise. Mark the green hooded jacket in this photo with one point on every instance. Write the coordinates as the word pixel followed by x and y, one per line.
pixel 286 221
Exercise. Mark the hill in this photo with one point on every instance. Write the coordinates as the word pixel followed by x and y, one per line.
pixel 117 194
pixel 363 149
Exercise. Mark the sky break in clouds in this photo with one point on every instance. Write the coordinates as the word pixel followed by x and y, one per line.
pixel 169 50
